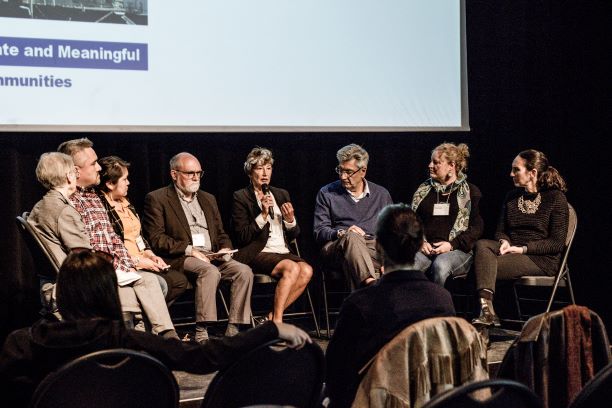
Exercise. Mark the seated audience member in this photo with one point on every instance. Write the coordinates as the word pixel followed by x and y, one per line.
pixel 448 206
pixel 183 225
pixel 103 238
pixel 371 317
pixel 113 190
pixel 345 217
pixel 530 233
pixel 88 301
pixel 264 223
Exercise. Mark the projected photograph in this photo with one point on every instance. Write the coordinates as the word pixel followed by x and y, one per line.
pixel 131 12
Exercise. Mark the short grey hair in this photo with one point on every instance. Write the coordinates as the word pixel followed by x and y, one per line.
pixel 258 156
pixel 174 161
pixel 353 151
pixel 72 147
pixel 52 169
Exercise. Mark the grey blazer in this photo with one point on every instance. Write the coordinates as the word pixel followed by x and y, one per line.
pixel 58 225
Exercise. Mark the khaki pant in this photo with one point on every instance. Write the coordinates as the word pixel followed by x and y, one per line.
pixel 207 281
pixel 356 255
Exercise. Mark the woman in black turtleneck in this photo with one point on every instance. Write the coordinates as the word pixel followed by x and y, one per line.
pixel 530 233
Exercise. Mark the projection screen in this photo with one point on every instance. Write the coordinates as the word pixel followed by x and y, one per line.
pixel 233 65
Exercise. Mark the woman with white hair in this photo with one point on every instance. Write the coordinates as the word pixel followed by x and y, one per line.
pixel 57 223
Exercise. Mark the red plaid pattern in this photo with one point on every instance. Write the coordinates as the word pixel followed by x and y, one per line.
pixel 102 237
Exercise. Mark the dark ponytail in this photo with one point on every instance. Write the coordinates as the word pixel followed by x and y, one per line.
pixel 399 232
pixel 549 178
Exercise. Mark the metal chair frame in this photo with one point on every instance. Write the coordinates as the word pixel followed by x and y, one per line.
pixel 260 278
pixel 561 278
pixel 279 374
pixel 326 294
pixel 460 396
pixel 109 364
pixel 597 391
pixel 33 242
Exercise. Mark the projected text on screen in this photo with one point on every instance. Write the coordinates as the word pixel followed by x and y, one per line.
pixel 233 65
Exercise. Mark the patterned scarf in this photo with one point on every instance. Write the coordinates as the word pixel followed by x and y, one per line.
pixel 463 200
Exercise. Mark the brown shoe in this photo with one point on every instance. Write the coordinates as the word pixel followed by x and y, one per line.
pixel 487 317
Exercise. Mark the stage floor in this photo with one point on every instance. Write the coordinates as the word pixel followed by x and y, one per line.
pixel 193 387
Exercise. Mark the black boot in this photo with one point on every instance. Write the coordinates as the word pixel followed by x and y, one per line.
pixel 487 315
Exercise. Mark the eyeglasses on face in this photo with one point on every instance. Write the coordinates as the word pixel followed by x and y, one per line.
pixel 345 172
pixel 190 174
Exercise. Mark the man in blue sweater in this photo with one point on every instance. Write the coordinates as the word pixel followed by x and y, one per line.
pixel 345 217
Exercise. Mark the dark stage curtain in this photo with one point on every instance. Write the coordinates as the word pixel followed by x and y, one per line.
pixel 535 78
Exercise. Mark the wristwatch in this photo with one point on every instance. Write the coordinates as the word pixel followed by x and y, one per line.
pixel 340 233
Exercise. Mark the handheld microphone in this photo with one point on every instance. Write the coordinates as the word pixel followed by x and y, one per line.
pixel 266 190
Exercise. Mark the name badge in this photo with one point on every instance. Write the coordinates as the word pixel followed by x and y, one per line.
pixel 198 240
pixel 140 243
pixel 441 209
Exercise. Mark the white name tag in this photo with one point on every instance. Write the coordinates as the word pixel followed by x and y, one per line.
pixel 140 243
pixel 198 240
pixel 441 209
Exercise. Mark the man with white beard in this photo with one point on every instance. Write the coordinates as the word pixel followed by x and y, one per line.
pixel 183 225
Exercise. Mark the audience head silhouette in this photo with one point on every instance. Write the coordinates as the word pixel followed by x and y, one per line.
pixel 399 233
pixel 87 288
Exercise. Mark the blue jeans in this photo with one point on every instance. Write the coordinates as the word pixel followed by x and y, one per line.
pixel 440 267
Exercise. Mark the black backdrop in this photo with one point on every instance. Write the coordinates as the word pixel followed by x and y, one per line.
pixel 536 80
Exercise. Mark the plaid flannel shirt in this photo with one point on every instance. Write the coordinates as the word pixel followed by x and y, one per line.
pixel 101 234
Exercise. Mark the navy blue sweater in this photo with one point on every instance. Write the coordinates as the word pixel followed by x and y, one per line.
pixel 335 209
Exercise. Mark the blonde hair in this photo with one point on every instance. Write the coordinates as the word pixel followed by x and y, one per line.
pixel 52 169
pixel 453 153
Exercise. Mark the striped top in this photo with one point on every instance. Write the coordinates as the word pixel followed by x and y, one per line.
pixel 543 232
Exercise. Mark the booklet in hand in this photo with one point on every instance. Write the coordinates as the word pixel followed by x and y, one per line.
pixel 219 254
pixel 125 278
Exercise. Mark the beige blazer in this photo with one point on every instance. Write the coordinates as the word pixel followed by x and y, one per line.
pixel 423 360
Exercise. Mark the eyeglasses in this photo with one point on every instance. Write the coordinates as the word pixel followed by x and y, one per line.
pixel 190 174
pixel 344 172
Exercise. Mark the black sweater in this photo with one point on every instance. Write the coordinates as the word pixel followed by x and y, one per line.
pixel 543 233
pixel 438 227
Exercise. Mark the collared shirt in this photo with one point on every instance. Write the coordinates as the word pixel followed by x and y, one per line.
pixel 276 242
pixel 101 234
pixel 196 220
pixel 131 227
pixel 365 193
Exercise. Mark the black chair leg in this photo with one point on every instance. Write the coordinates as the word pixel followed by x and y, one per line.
pixel 312 311
pixel 326 306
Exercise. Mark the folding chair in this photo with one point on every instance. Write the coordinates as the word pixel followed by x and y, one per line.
pixel 264 279
pixel 503 393
pixel 561 278
pixel 271 374
pixel 109 379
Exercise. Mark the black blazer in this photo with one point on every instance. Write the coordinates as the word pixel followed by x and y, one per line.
pixel 248 236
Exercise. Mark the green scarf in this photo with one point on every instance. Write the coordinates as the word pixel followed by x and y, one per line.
pixel 463 200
